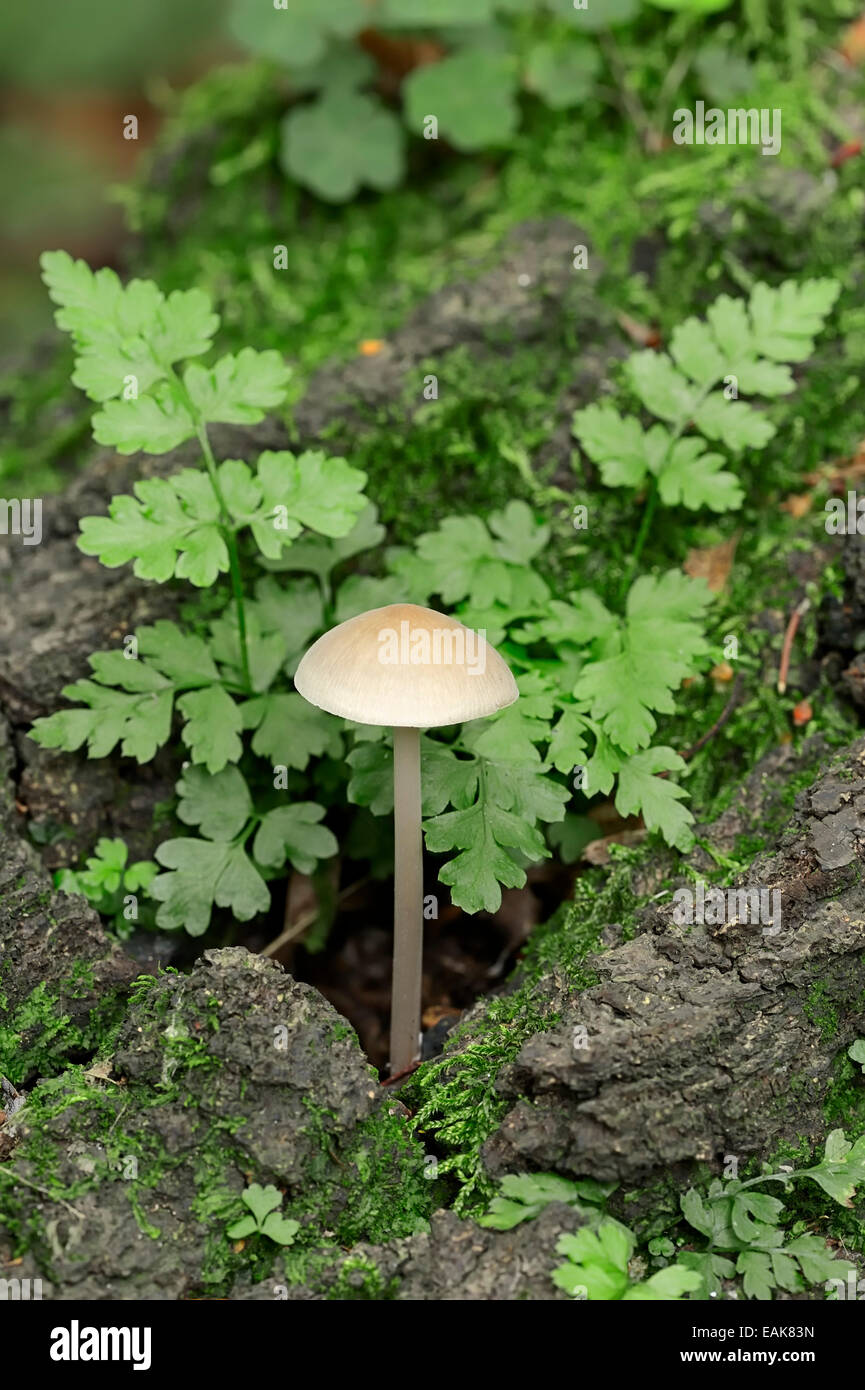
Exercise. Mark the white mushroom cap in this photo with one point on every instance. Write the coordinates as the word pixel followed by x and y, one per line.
pixel 406 667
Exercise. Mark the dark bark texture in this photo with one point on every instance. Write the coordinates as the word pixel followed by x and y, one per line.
pixel 706 1040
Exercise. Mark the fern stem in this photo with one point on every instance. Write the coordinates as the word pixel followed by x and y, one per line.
pixel 652 496
pixel 773 1177
pixel 233 555
pixel 227 530
pixel 645 525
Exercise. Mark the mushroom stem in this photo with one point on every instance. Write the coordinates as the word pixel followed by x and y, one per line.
pixel 408 902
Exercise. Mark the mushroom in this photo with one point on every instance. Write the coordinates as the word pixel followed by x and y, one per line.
pixel 410 668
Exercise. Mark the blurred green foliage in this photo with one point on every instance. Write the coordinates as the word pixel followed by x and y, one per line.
pixel 458 71
pixel 100 44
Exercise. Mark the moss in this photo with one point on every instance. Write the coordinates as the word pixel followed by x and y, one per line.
pixel 457 451
pixel 458 1107
pixel 39 1036
pixel 82 1134
pixel 119 1142
pixel 821 1010
pixel 330 1273
pixel 136 1160
pixel 359 1278
pixel 845 1099
pixel 394 1188
pixel 386 1189
pixel 82 980
pixel 46 425
pixel 757 727
pixel 116 1126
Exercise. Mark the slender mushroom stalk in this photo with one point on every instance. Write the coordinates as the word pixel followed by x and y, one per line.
pixel 409 668
pixel 405 1006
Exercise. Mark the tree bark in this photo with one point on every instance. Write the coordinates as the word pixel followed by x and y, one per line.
pixel 707 1040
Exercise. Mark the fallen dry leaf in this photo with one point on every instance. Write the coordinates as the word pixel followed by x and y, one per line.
pixel 853 42
pixel 639 333
pixel 610 820
pixel 100 1071
pixel 842 153
pixel 434 1014
pixel 840 473
pixel 798 504
pixel 396 57
pixel 713 563
pixel 802 713
pixel 598 851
